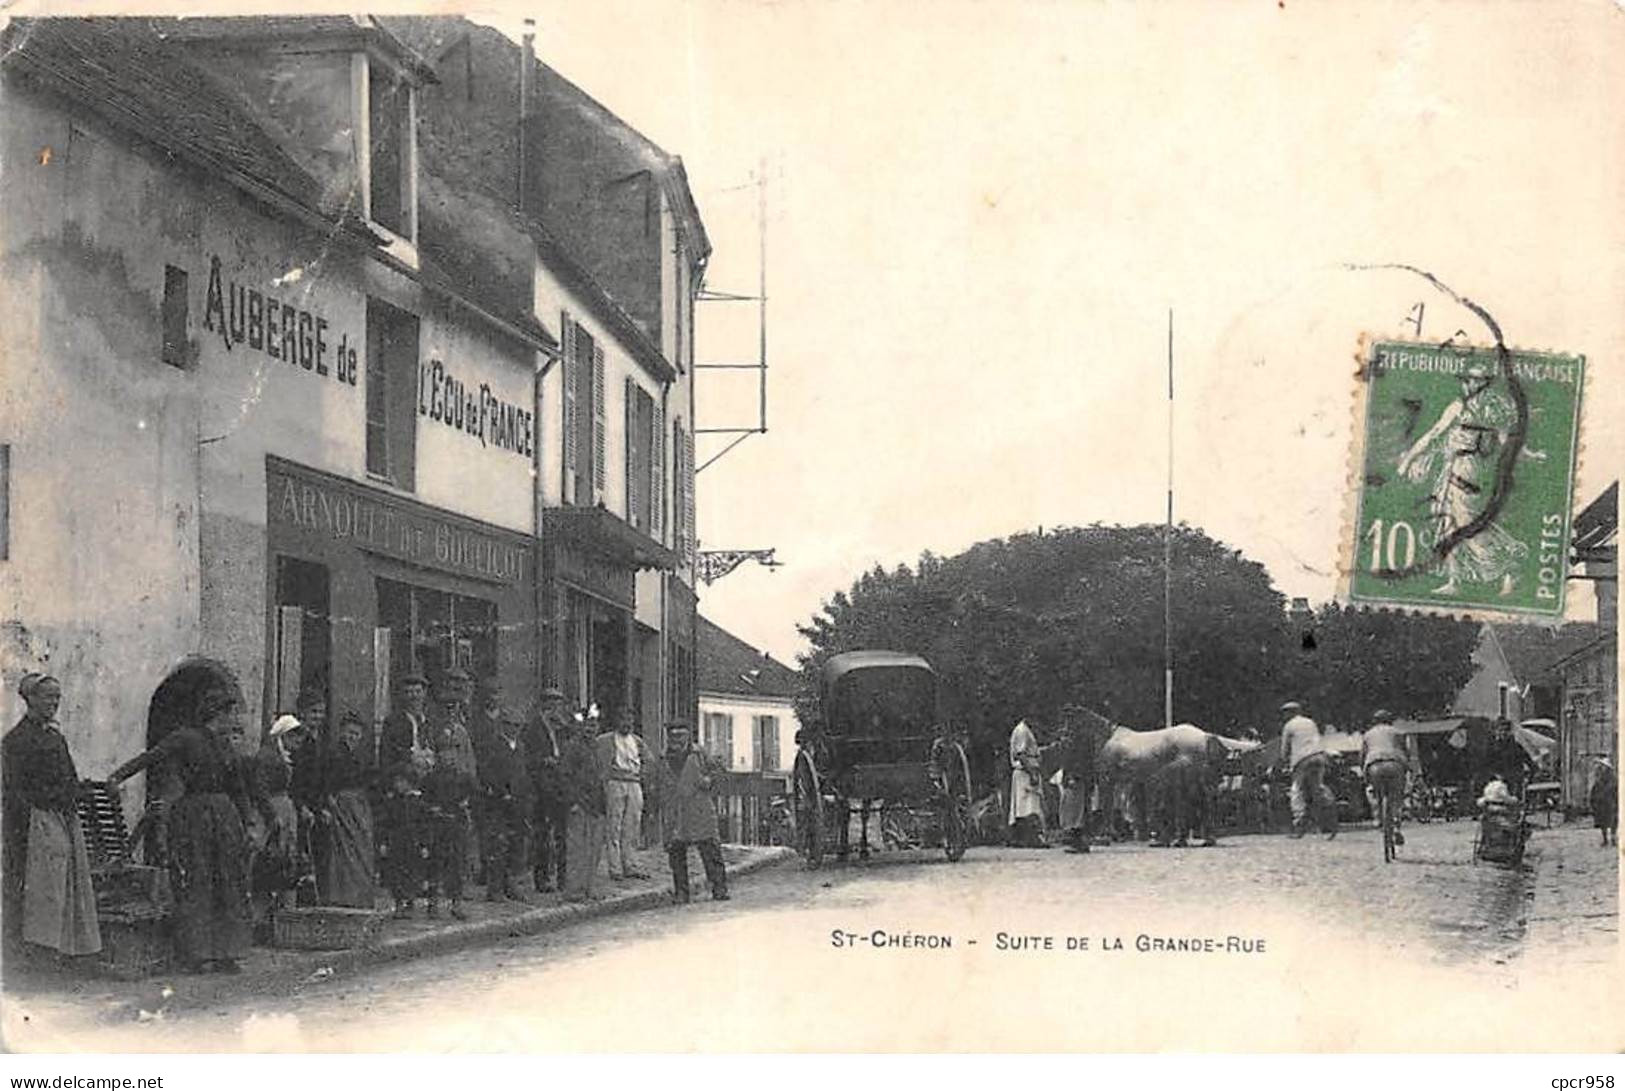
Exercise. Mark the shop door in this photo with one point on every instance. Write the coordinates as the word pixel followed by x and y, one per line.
pixel 304 633
pixel 609 663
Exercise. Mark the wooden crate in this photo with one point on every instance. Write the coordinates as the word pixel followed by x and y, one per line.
pixel 326 927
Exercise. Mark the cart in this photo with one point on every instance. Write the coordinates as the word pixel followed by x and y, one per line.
pixel 1501 835
pixel 880 749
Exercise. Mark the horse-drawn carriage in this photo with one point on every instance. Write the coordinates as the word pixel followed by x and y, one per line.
pixel 879 748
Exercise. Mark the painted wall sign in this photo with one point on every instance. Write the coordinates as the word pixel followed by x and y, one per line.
pixel 595 575
pixel 243 315
pixel 377 522
pixel 477 412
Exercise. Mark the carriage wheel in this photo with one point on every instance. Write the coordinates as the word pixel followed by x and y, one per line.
pixel 808 812
pixel 956 802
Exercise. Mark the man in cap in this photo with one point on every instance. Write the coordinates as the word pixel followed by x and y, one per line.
pixel 688 814
pixel 1386 763
pixel 404 760
pixel 1303 757
pixel 544 742
pixel 626 763
pixel 508 799
pixel 448 786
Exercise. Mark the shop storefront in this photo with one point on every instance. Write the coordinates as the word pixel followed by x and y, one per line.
pixel 364 585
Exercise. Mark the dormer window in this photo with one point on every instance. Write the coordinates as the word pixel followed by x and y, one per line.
pixel 390 172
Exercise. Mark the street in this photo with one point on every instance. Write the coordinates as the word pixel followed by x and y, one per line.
pixel 1128 947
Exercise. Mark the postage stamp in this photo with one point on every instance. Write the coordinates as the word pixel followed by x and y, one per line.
pixel 1466 483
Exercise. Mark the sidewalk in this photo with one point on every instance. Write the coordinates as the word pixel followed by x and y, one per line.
pixel 1575 913
pixel 271 971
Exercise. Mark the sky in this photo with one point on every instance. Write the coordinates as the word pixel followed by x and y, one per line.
pixel 980 217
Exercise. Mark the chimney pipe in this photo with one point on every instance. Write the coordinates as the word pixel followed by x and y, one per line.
pixel 527 49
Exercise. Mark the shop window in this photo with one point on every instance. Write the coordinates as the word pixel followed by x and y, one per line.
pixel 304 632
pixel 392 151
pixel 174 317
pixel 392 367
pixel 431 630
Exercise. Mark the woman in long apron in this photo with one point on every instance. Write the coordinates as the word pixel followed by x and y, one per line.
pixel 46 870
pixel 275 836
pixel 346 861
pixel 208 848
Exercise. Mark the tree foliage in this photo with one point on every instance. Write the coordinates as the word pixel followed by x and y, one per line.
pixel 1021 626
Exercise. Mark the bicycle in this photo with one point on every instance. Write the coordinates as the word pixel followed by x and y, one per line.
pixel 1387 779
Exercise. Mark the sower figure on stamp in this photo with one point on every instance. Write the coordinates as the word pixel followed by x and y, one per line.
pixel 543 748
pixel 507 801
pixel 447 788
pixel 1303 756
pixel 688 813
pixel 404 759
pixel 627 763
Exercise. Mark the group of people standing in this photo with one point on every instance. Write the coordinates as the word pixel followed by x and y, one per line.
pixel 318 814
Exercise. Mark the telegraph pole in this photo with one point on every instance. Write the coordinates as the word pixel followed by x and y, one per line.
pixel 1168 552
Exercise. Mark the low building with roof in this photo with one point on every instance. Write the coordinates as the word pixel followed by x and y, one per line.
pixel 748 725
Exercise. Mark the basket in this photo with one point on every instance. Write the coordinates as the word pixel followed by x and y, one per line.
pixel 134 946
pixel 325 927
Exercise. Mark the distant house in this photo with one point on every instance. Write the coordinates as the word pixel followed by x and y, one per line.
pixel 748 724
pixel 1514 663
pixel 1588 676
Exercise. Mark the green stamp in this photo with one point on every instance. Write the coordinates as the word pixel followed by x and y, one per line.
pixel 1467 479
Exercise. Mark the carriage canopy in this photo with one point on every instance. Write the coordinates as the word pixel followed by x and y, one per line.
pixel 879 694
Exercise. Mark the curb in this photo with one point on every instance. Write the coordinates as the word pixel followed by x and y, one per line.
pixel 285 979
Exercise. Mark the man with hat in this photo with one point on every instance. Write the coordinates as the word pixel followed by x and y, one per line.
pixel 688 815
pixel 544 740
pixel 404 759
pixel 448 786
pixel 582 778
pixel 1385 763
pixel 1303 756
pixel 626 763
pixel 507 800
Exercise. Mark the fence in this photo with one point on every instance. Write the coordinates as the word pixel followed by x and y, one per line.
pixel 752 808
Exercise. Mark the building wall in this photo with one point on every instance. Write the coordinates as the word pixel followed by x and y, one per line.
pixel 103 434
pixel 161 521
pixel 744 710
pixel 1481 696
pixel 1590 723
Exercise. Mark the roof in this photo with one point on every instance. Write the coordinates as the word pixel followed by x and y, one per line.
pixel 1533 650
pixel 838 666
pixel 1599 521
pixel 337 31
pixel 133 75
pixel 728 665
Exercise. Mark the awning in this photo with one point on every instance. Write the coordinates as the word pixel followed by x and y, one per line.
pixel 596 530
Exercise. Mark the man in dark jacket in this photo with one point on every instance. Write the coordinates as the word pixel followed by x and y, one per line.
pixel 1077 776
pixel 544 740
pixel 582 778
pixel 688 815
pixel 507 800
pixel 448 787
pixel 404 758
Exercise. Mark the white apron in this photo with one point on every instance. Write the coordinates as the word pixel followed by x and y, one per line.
pixel 1026 793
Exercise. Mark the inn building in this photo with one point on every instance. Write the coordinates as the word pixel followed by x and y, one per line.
pixel 281 390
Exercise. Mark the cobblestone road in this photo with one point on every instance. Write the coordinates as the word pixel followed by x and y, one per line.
pixel 1284 945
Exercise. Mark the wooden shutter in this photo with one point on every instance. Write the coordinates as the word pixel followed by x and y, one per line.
pixel 688 497
pixel 657 473
pixel 634 482
pixel 567 330
pixel 598 423
pixel 289 656
pixel 770 744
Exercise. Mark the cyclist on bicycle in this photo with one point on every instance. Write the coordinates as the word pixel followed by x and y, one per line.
pixel 1385 762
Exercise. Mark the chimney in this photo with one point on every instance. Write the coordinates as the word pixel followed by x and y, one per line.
pixel 527 52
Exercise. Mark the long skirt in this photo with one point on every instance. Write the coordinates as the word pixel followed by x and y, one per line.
pixel 1026 796
pixel 59 906
pixel 208 863
pixel 1605 806
pixel 346 872
pixel 585 840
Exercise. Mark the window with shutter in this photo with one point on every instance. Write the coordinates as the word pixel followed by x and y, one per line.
pixel 634 484
pixel 598 424
pixel 687 544
pixel 767 734
pixel 567 330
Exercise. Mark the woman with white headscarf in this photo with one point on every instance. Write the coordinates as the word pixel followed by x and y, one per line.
pixel 1026 788
pixel 48 897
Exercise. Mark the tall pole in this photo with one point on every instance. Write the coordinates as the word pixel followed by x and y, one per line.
pixel 761 287
pixel 1168 552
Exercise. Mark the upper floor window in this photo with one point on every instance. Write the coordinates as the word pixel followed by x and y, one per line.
pixel 392 374
pixel 391 152
pixel 585 421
